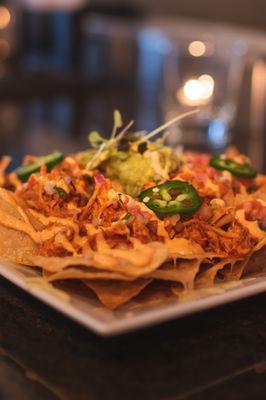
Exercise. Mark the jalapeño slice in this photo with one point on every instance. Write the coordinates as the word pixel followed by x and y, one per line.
pixel 227 164
pixel 172 197
pixel 51 161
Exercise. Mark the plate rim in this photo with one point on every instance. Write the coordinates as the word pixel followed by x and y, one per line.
pixel 143 319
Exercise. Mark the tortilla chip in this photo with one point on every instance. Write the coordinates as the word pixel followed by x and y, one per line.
pixel 183 271
pixel 18 208
pixel 158 293
pixel 206 278
pixel 256 263
pixel 234 272
pixel 183 248
pixel 237 270
pixel 119 275
pixel 10 206
pixel 87 273
pixel 114 294
pixel 16 246
pixel 132 263
pixel 260 244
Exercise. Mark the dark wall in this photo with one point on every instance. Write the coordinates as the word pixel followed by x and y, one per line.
pixel 250 13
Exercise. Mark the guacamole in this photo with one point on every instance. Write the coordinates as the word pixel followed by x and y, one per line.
pixel 132 173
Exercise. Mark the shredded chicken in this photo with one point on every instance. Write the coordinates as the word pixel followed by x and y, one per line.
pixel 89 211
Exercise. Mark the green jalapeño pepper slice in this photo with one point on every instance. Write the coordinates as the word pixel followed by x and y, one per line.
pixel 51 161
pixel 226 164
pixel 172 197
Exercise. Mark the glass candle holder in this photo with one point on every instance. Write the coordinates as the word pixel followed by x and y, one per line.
pixel 204 71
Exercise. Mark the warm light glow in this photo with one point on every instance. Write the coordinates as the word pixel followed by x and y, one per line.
pixel 193 90
pixel 5 17
pixel 196 91
pixel 197 48
pixel 207 85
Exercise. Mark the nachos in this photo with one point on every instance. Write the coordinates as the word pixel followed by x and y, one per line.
pixel 131 217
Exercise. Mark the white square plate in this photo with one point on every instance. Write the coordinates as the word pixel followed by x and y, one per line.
pixel 87 311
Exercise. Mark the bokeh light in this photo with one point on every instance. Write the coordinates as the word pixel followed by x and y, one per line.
pixel 193 89
pixel 196 91
pixel 197 48
pixel 207 85
pixel 5 17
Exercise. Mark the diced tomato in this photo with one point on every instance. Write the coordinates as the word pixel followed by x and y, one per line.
pixel 211 172
pixel 198 159
pixel 201 177
pixel 99 179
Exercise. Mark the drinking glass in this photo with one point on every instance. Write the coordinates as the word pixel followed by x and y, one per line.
pixel 203 71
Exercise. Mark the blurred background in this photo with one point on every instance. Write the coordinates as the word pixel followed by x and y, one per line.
pixel 66 64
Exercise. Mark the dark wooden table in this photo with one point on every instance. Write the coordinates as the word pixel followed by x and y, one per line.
pixel 220 354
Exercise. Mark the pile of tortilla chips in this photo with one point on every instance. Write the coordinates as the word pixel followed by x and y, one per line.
pixel 148 272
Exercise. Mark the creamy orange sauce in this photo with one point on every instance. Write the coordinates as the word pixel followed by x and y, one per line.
pixel 132 262
pixel 101 242
pixel 103 260
pixel 125 264
pixel 61 239
pixel 139 256
pixel 9 221
pixel 91 229
pixel 9 198
pixel 14 223
pixel 48 233
pixel 252 226
pixel 53 220
pixel 178 246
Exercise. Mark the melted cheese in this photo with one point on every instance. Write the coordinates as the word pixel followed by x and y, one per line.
pixel 47 234
pixel 212 187
pixel 9 198
pixel 9 221
pixel 61 239
pixel 183 248
pixel 252 226
pixel 101 242
pixel 262 202
pixel 179 247
pixel 54 220
pixel 14 223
